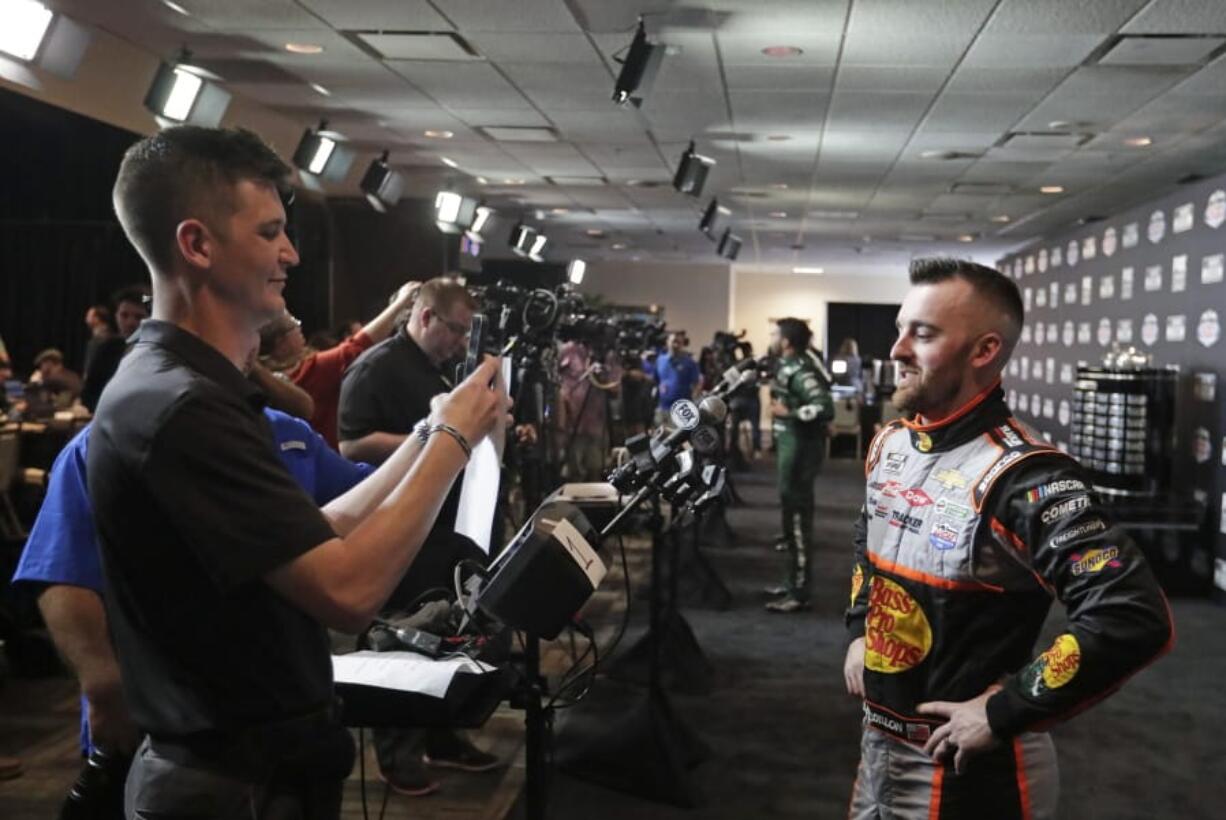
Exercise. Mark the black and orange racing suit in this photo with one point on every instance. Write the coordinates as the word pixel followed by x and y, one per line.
pixel 971 526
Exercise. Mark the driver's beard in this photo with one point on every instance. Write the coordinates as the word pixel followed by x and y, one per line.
pixel 921 398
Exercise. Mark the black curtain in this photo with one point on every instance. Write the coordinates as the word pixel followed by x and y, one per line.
pixel 61 248
pixel 872 326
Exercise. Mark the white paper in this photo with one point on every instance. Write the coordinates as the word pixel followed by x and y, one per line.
pixel 402 671
pixel 479 495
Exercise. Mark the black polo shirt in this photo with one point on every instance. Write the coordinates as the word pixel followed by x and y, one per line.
pixel 388 390
pixel 193 507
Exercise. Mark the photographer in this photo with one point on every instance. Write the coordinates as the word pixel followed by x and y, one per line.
pixel 222 574
pixel 677 375
pixel 583 412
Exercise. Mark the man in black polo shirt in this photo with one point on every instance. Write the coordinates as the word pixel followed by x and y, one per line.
pixel 384 391
pixel 222 572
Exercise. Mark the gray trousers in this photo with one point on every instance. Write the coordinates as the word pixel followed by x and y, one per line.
pixel 1017 780
pixel 159 788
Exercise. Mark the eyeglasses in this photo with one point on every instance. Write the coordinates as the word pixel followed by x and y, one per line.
pixel 458 328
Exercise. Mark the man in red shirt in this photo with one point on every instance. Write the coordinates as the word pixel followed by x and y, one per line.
pixel 283 350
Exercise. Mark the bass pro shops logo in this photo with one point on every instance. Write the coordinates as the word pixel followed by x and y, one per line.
pixel 897 636
pixel 1054 668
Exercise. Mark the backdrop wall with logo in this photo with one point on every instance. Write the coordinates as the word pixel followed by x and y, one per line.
pixel 1149 278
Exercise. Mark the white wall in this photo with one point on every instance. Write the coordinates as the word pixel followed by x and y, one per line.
pixel 758 298
pixel 695 297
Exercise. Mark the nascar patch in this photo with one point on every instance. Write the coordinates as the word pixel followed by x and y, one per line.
pixel 1064 485
pixel 943 536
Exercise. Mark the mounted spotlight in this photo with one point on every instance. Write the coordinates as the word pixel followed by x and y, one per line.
pixel 729 244
pixel 575 271
pixel 480 221
pixel 713 218
pixel 382 184
pixel 315 149
pixel 692 172
pixel 537 252
pixel 24 26
pixel 638 69
pixel 453 213
pixel 522 239
pixel 186 93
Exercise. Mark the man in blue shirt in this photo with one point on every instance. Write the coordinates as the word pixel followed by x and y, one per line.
pixel 677 375
pixel 61 557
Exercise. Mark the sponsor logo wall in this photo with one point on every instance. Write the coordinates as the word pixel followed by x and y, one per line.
pixel 1153 278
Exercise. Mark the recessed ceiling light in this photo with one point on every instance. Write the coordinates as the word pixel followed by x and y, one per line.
pixel 482 181
pixel 450 163
pixel 1001 218
pixel 780 186
pixel 782 51
pixel 618 246
pixel 966 237
pixel 636 258
pixel 304 48
pixel 779 214
pixel 1052 189
pixel 808 270
pixel 319 89
pixel 439 135
pixel 175 7
pixel 595 233
pixel 559 211
pixel 778 137
pixel 513 182
pixel 1059 125
pixel 1139 142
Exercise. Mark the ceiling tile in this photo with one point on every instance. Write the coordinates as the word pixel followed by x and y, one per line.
pixel 520 15
pixel 1031 50
pixel 379 15
pixel 536 48
pixel 460 85
pixel 1179 17
pixel 863 111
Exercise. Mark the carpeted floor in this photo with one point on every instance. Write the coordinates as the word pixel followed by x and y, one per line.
pixel 784 735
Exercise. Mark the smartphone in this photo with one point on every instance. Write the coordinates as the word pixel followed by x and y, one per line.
pixel 476 348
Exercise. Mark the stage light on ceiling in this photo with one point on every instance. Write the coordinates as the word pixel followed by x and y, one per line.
pixel 181 92
pixel 382 184
pixel 575 271
pixel 480 220
pixel 713 218
pixel 521 239
pixel 23 26
pixel 692 172
pixel 638 69
pixel 319 153
pixel 453 213
pixel 729 245
pixel 537 251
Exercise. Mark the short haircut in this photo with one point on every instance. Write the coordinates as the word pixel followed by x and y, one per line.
pixel 797 332
pixel 51 354
pixel 135 294
pixel 990 285
pixel 186 172
pixel 443 293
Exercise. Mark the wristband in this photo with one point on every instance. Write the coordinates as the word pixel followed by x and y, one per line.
pixel 455 434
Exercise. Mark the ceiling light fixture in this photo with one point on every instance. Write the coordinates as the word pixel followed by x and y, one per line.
pixel 321 90
pixel 692 171
pixel 439 135
pixel 25 27
pixel 175 7
pixel 180 93
pixel 316 150
pixel 618 246
pixel 382 185
pixel 778 137
pixel 638 69
pixel 783 51
pixel 966 237
pixel 575 271
pixel 450 163
pixel 480 220
pixel 482 181
pixel 304 48
pixel 729 245
pixel 1051 189
pixel 513 182
pixel 713 219
pixel 454 213
pixel 1001 218
pixel 780 186
pixel 559 211
pixel 779 214
pixel 595 233
pixel 808 270
pixel 1138 142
